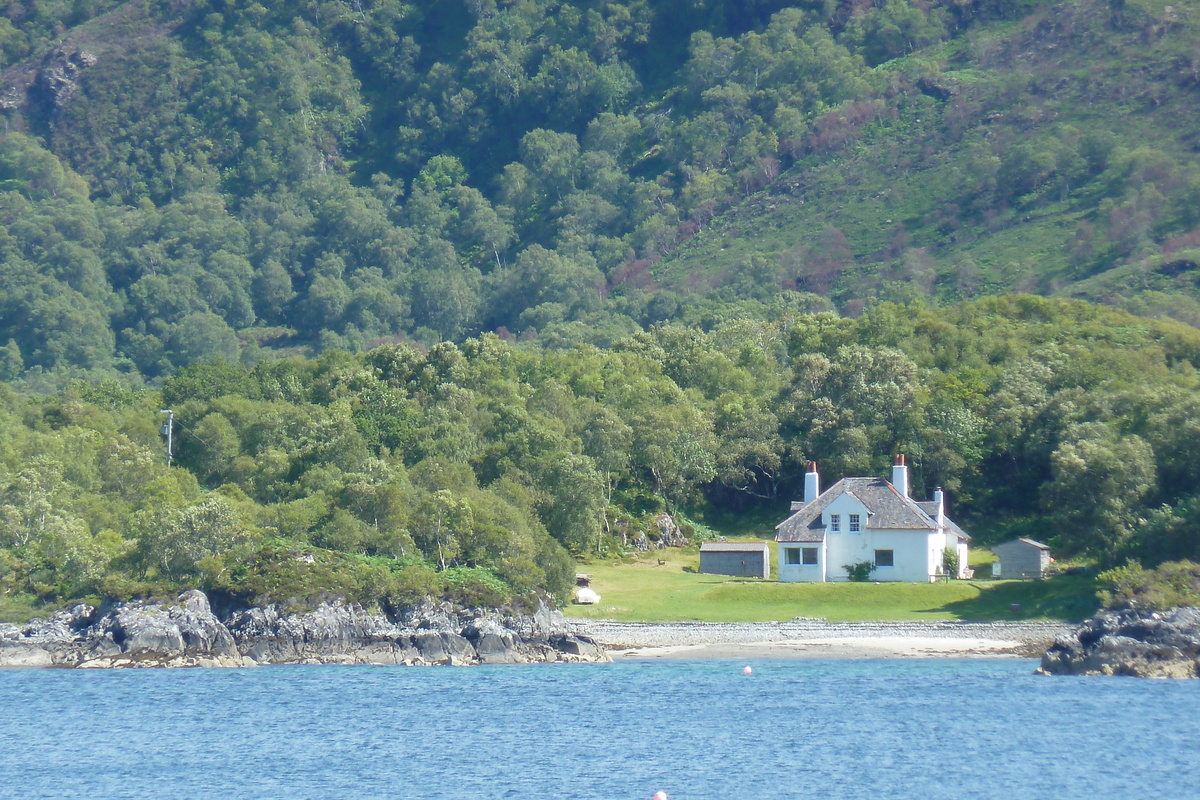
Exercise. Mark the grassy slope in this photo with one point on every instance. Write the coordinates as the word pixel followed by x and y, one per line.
pixel 647 591
pixel 1011 83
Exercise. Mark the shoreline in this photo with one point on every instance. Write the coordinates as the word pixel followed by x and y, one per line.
pixel 820 639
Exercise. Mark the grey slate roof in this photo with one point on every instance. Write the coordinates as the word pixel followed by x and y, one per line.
pixel 930 508
pixel 953 528
pixel 735 547
pixel 886 509
pixel 1023 540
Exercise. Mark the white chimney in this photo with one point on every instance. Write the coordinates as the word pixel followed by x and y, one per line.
pixel 812 483
pixel 940 500
pixel 900 475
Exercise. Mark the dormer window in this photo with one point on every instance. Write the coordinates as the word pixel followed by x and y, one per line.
pixel 855 524
pixel 835 523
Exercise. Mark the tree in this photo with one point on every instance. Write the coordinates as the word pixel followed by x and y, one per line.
pixel 175 540
pixel 1099 481
pixel 440 521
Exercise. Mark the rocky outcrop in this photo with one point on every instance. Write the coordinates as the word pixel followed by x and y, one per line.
pixel 664 533
pixel 1127 642
pixel 186 632
pixel 58 80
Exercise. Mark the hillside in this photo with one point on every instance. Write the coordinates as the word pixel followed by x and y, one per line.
pixel 1056 154
pixel 187 181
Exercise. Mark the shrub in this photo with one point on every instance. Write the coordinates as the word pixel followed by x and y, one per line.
pixel 414 583
pixel 859 572
pixel 475 587
pixel 950 562
pixel 1173 584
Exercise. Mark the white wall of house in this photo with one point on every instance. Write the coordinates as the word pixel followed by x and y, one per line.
pixel 917 555
pixel 911 554
pixel 963 565
pixel 806 573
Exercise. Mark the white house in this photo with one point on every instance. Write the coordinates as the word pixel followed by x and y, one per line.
pixel 867 519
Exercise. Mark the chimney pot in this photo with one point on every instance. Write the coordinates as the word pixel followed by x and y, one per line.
pixel 900 475
pixel 812 483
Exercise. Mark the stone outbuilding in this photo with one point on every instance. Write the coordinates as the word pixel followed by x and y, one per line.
pixel 742 559
pixel 1022 558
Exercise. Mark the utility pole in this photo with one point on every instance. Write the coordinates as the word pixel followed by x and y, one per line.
pixel 168 430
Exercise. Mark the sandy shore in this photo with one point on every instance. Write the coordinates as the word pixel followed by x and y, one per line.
pixel 819 639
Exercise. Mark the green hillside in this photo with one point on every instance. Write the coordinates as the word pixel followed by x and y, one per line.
pixel 444 294
pixel 1055 154
pixel 184 181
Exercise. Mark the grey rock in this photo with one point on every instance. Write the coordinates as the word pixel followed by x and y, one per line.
pixel 332 631
pixel 185 629
pixel 59 78
pixel 493 642
pixel 1129 642
pixel 142 633
pixel 444 648
pixel 186 633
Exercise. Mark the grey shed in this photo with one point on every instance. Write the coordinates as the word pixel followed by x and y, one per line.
pixel 1023 558
pixel 743 559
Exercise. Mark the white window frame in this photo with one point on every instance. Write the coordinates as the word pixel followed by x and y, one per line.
pixel 792 552
pixel 855 523
pixel 893 558
pixel 835 523
pixel 806 552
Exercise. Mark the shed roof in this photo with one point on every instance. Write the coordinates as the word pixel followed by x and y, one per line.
pixel 735 547
pixel 1023 540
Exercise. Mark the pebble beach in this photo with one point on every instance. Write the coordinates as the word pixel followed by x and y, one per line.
pixel 819 639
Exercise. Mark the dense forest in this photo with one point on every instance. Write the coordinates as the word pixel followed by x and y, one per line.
pixel 443 294
pixel 182 181
pixel 479 469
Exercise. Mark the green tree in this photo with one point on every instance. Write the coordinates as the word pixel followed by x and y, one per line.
pixel 175 539
pixel 1114 472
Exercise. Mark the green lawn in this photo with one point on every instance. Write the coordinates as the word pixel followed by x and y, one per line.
pixel 647 591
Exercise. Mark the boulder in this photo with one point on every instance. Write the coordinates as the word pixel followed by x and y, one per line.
pixel 59 78
pixel 1128 642
pixel 175 633
pixel 493 642
pixel 444 648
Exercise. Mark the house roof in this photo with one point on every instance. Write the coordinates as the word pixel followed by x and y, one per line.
pixel 887 509
pixel 930 508
pixel 953 528
pixel 735 547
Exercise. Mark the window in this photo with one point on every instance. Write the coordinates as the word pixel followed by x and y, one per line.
pixel 885 558
pixel 835 522
pixel 791 556
pixel 854 523
pixel 810 556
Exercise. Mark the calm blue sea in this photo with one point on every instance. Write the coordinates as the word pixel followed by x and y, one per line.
pixel 694 729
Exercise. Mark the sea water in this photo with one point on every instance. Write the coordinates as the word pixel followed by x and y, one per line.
pixel 879 729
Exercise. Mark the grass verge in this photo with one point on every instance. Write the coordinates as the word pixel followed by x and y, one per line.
pixel 664 586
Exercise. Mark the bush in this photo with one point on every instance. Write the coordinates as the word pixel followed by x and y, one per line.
pixel 414 583
pixel 859 572
pixel 473 587
pixel 1173 584
pixel 950 562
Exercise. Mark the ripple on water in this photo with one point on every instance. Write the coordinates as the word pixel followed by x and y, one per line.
pixel 938 728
